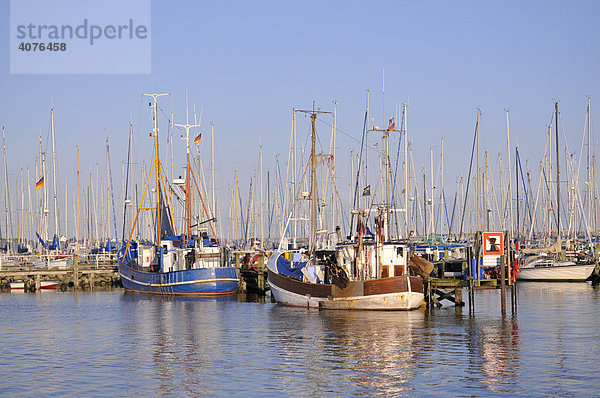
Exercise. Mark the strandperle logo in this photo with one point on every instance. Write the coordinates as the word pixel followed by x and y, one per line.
pixel 84 31
pixel 80 37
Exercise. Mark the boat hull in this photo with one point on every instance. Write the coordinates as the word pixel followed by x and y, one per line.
pixel 193 282
pixel 391 294
pixel 558 273
pixel 44 285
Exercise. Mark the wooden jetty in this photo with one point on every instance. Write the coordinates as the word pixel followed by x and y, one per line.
pixel 82 276
pixel 451 288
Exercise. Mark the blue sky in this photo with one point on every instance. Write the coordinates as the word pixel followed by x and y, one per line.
pixel 246 64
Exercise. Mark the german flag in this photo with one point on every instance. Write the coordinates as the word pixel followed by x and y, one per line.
pixel 198 139
pixel 40 183
pixel 392 125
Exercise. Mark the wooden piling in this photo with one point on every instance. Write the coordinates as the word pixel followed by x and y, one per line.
pixel 471 297
pixel 503 265
pixel 261 272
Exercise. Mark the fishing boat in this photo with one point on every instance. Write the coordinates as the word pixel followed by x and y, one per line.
pixel 185 264
pixel 356 275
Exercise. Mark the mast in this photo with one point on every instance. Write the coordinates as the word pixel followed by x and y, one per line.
pixel 6 195
pixel 313 181
pixel 432 219
pixel 557 174
pixel 406 188
pixel 212 162
pixel 366 154
pixel 56 225
pixel 487 198
pixel 510 193
pixel 45 210
pixel 589 169
pixel 313 187
pixel 76 261
pixel 262 206
pixel 188 197
pixel 157 161
pixel 235 211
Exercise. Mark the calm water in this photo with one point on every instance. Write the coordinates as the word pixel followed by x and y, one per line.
pixel 121 344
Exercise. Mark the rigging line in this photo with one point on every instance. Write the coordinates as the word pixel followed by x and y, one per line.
pixel 445 210
pixel 453 210
pixel 550 194
pixel 126 183
pixel 396 167
pixel 374 148
pixel 355 199
pixel 527 206
pixel 462 220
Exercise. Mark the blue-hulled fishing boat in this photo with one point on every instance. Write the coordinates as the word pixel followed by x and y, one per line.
pixel 186 264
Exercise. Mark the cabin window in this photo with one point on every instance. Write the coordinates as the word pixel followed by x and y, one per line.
pixel 399 251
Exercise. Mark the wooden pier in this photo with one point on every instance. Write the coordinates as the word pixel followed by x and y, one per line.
pixel 81 277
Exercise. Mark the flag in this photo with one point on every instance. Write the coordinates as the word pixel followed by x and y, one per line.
pixel 392 125
pixel 367 191
pixel 40 183
pixel 198 139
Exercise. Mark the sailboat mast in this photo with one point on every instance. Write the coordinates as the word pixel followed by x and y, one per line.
pixel 212 162
pixel 510 193
pixel 56 226
pixel 313 187
pixel 406 188
pixel 589 169
pixel 6 196
pixel 557 173
pixel 43 157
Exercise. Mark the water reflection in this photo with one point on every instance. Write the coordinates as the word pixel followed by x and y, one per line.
pixel 378 353
pixel 494 350
pixel 179 337
pixel 57 344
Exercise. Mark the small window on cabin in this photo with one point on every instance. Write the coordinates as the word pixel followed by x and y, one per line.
pixel 399 251
pixel 164 247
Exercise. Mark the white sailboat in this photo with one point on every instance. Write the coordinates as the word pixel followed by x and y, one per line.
pixel 550 264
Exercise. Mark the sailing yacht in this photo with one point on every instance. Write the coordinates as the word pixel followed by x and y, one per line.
pixel 549 264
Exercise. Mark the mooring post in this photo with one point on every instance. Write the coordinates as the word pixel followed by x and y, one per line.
pixel 513 293
pixel 237 262
pixel 503 279
pixel 261 272
pixel 38 284
pixel 471 298
pixel 76 272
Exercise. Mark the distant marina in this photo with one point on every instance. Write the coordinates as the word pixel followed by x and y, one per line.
pixel 392 246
